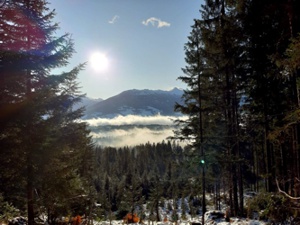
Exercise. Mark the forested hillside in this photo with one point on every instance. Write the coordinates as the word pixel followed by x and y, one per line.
pixel 128 177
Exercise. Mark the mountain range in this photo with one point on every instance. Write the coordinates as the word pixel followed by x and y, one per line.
pixel 134 102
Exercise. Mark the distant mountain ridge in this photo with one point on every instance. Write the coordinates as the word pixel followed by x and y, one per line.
pixel 136 102
pixel 86 101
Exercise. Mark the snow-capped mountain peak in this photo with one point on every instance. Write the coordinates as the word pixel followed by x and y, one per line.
pixel 136 102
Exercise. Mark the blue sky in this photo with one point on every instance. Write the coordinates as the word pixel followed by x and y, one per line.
pixel 143 41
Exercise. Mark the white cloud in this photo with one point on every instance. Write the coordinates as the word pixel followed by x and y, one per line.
pixel 133 119
pixel 114 19
pixel 156 22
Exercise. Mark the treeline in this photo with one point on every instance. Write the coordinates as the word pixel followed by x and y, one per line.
pixel 128 178
pixel 242 98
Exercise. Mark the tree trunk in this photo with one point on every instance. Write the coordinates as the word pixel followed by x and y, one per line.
pixel 157 211
pixel 30 191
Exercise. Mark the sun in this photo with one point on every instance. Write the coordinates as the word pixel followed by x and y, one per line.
pixel 99 62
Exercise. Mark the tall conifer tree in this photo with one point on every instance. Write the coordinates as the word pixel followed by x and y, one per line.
pixel 214 55
pixel 38 124
pixel 273 93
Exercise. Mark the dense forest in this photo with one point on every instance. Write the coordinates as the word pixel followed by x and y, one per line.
pixel 242 98
pixel 242 132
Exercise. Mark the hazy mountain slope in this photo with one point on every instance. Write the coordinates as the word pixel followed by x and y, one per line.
pixel 86 102
pixel 136 102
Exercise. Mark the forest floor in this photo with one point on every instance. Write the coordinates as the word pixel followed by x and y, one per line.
pixel 233 221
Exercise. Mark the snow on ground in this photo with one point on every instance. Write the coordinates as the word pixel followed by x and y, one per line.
pixel 212 217
pixel 233 221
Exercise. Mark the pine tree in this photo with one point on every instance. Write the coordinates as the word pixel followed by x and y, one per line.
pixel 215 63
pixel 38 124
pixel 194 104
pixel 132 198
pixel 156 193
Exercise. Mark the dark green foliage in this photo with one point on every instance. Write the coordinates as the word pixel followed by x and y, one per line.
pixel 272 28
pixel 45 158
pixel 155 196
pixel 242 96
pixel 7 210
pixel 215 64
pixel 270 206
pixel 132 198
pixel 143 174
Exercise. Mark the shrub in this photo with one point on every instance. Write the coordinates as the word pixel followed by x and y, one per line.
pixel 7 210
pixel 271 206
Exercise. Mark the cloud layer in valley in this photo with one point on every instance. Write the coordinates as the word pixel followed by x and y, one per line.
pixel 131 137
pixel 131 130
pixel 133 120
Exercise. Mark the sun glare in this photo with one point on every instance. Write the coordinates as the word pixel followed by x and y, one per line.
pixel 99 62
